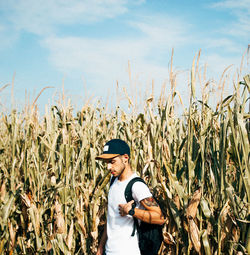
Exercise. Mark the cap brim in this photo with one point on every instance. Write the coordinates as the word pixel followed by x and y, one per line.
pixel 107 156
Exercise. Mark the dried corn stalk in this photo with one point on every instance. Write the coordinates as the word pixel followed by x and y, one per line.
pixel 59 225
pixel 194 234
pixel 191 215
pixel 169 239
pixel 79 215
pixel 193 204
pixel 12 232
pixel 26 199
pixel 69 238
pixel 3 190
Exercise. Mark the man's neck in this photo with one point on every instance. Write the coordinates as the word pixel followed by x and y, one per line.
pixel 127 172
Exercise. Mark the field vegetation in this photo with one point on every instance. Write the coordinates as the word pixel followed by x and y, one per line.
pixel 53 192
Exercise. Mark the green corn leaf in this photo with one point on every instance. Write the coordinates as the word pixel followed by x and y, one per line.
pixel 8 207
pixel 205 208
pixel 61 244
pixel 205 241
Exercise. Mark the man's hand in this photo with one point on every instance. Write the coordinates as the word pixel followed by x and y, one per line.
pixel 125 208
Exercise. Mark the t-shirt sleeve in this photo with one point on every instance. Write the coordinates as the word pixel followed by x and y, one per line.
pixel 140 191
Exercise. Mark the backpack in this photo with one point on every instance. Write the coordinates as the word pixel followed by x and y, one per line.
pixel 150 235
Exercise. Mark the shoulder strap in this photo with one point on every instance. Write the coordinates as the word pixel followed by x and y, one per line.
pixel 112 181
pixel 129 197
pixel 128 189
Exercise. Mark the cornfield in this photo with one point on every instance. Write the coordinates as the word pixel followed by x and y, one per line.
pixel 54 193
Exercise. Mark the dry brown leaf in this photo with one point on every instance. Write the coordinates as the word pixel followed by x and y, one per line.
pixel 185 225
pixel 94 234
pixel 235 233
pixel 36 215
pixel 59 219
pixel 226 224
pixel 49 243
pixel 49 246
pixel 80 221
pixel 53 180
pixel 3 190
pixel 209 228
pixel 29 228
pixel 177 202
pixel 25 215
pixel 12 232
pixel 168 238
pixel 166 150
pixel 70 235
pixel 193 204
pixel 26 200
pixel 224 212
pixel 28 207
pixel 194 234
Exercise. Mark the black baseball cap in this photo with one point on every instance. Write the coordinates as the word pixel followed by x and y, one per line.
pixel 114 148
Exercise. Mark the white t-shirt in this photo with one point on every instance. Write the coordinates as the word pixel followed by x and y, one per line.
pixel 119 229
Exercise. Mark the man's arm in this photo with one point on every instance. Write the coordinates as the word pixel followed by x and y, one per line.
pixel 152 213
pixel 103 241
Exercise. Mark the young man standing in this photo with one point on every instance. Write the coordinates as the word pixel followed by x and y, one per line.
pixel 117 238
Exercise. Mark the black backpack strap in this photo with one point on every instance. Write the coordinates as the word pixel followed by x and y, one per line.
pixel 128 190
pixel 112 181
pixel 129 197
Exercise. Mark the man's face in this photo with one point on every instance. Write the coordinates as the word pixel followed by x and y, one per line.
pixel 116 165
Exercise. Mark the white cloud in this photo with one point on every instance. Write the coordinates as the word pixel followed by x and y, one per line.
pixel 217 63
pixel 42 16
pixel 240 4
pixel 8 37
pixel 239 26
pixel 221 43
pixel 231 69
pixel 104 61
pixel 167 31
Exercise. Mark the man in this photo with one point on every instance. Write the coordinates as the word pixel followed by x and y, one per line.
pixel 116 238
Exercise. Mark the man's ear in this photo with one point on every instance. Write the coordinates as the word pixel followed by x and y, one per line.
pixel 126 157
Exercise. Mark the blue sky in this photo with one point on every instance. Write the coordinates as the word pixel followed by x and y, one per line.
pixel 88 46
